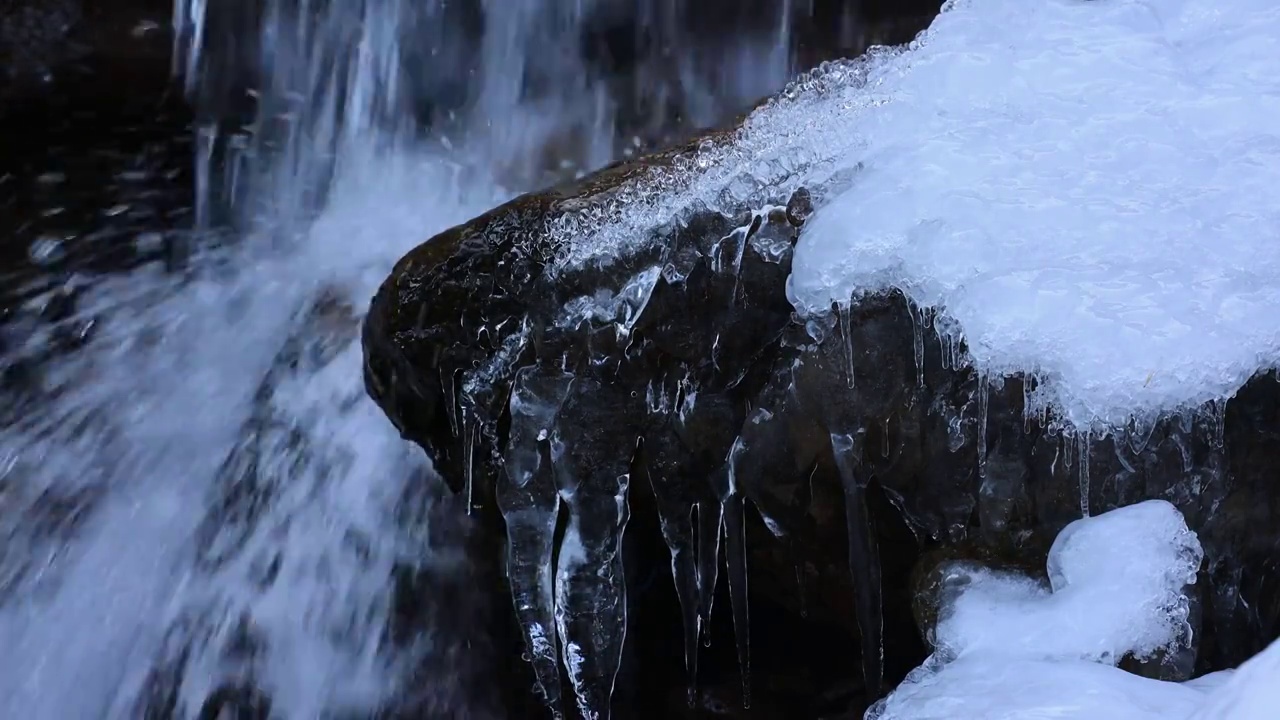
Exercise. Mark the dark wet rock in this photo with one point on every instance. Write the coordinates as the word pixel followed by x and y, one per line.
pixel 862 438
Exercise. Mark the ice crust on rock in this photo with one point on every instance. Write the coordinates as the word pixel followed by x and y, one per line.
pixel 1009 647
pixel 1089 197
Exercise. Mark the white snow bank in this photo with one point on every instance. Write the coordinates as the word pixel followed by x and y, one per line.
pixel 1250 693
pixel 1089 188
pixel 1009 649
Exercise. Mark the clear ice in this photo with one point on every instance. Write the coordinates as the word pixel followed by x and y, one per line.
pixel 733 517
pixel 864 557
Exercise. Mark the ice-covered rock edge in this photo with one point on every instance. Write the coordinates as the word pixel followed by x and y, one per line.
pixel 805 138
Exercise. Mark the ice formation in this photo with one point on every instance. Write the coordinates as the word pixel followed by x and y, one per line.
pixel 1012 648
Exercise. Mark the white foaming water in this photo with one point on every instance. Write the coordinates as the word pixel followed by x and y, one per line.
pixel 142 419
pixel 1089 195
pixel 1012 649
pixel 171 383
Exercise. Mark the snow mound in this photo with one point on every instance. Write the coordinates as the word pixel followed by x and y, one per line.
pixel 1012 649
pixel 1117 585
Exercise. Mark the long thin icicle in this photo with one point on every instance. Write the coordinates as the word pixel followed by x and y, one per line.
pixel 735 547
pixel 592 475
pixel 736 555
pixel 675 513
pixel 1084 473
pixel 529 503
pixel 710 524
pixel 864 559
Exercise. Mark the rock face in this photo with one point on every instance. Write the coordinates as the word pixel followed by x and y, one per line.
pixel 674 388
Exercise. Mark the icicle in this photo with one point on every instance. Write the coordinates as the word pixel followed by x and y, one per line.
pixel 725 486
pixel 709 526
pixel 1068 447
pixel 846 330
pixel 449 386
pixel 684 571
pixel 591 608
pixel 1218 408
pixel 1027 408
pixel 1138 433
pixel 984 393
pixel 469 429
pixel 917 335
pixel 529 503
pixel 736 555
pixel 864 560
pixel 1183 451
pixel 1084 473
pixel 207 138
pixel 591 611
pixel 1124 462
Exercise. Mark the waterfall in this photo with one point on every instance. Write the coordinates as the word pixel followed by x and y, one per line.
pixel 201 506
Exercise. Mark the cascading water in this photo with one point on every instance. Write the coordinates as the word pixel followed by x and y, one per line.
pixel 200 507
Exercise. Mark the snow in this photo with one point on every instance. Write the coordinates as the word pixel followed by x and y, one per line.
pixel 1249 693
pixel 1086 188
pixel 1010 648
pixel 1091 197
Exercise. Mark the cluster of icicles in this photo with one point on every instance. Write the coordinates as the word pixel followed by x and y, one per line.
pixel 570 599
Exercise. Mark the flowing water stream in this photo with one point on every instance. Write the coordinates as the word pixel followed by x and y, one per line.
pixel 200 500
